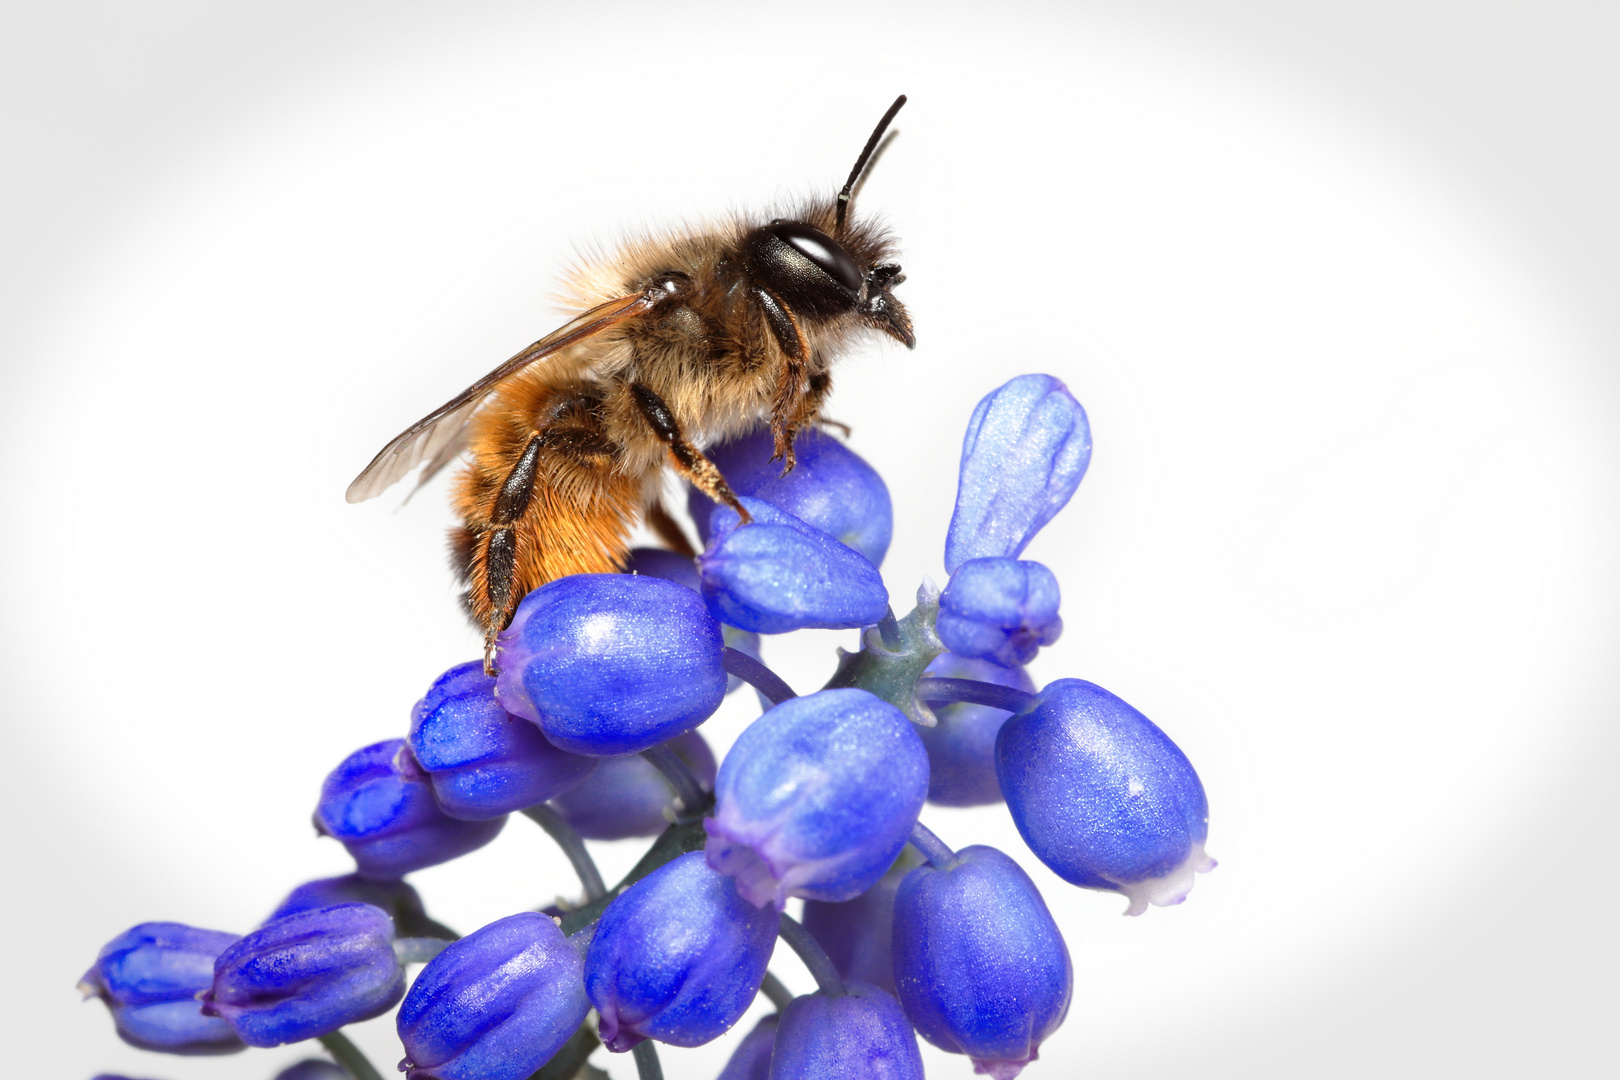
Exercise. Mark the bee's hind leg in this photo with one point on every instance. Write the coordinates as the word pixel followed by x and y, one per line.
pixel 689 461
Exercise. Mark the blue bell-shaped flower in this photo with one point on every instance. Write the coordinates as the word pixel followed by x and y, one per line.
pixel 627 796
pixel 612 663
pixel 482 761
pixel 307 974
pixel 752 1058
pixel 677 957
pixel 150 976
pixel 389 821
pixel 1001 610
pixel 831 488
pixel 962 745
pixel 658 563
pixel 857 935
pixel 1103 797
pixel 817 797
pixel 1027 447
pixel 857 1036
pixel 495 1005
pixel 779 574
pixel 981 967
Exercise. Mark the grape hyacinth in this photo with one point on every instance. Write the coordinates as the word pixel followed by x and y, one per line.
pixel 593 728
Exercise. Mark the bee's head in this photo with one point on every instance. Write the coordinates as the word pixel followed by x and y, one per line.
pixel 812 272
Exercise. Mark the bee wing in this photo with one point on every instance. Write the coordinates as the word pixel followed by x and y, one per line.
pixel 440 435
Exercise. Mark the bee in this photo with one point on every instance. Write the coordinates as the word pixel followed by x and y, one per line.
pixel 683 340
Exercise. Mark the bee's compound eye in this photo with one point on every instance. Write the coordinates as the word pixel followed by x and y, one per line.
pixel 822 250
pixel 671 282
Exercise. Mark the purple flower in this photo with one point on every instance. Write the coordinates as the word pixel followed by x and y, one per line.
pixel 752 1058
pixel 394 897
pixel 859 1036
pixel 981 967
pixel 1103 797
pixel 390 822
pixel 495 1005
pixel 627 796
pixel 612 663
pixel 307 974
pixel 962 746
pixel 817 797
pixel 780 574
pixel 482 761
pixel 1027 446
pixel 857 935
pixel 677 957
pixel 150 976
pixel 1001 610
pixel 658 563
pixel 830 488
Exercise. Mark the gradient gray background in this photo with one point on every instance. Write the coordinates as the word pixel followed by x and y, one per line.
pixel 1335 282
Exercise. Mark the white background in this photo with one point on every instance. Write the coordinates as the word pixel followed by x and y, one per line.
pixel 1335 281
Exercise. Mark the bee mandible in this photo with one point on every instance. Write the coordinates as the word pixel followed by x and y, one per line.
pixel 685 339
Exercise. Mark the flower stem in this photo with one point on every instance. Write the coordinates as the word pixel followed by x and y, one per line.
pixel 1007 698
pixel 757 675
pixel 936 851
pixel 889 631
pixel 573 847
pixel 418 950
pixel 814 956
pixel 348 1055
pixel 672 843
pixel 646 1055
pixel 775 992
pixel 681 778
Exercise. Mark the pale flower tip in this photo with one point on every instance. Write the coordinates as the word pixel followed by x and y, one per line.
pixel 88 989
pixel 1000 1069
pixel 1169 889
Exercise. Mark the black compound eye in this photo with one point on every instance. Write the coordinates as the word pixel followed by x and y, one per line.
pixel 822 250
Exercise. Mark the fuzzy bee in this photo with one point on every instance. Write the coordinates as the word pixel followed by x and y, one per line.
pixel 683 340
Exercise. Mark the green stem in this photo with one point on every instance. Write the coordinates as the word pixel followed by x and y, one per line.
pixel 348 1055
pixel 573 847
pixel 778 994
pixel 814 956
pixel 646 1055
pixel 672 843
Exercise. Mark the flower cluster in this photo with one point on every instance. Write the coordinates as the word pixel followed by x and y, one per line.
pixel 592 729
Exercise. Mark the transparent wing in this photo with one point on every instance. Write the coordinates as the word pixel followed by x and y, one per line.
pixel 442 434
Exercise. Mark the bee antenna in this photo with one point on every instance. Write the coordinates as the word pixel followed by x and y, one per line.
pixel 866 155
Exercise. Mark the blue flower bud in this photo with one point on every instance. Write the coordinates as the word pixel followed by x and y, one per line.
pixel 313 1069
pixel 855 1037
pixel 150 976
pixel 612 663
pixel 779 574
pixel 677 957
pixel 1000 610
pixel 817 797
pixel 481 760
pixel 655 562
pixel 1103 797
pixel 397 898
pixel 752 1058
pixel 307 974
pixel 495 1005
pixel 1026 448
pixel 830 488
pixel 390 822
pixel 962 746
pixel 981 966
pixel 659 563
pixel 857 934
pixel 627 796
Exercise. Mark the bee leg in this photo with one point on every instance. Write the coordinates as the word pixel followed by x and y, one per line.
pixel 669 530
pixel 792 388
pixel 689 460
pixel 802 411
pixel 499 542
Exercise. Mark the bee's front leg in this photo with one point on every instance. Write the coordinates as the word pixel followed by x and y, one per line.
pixel 689 460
